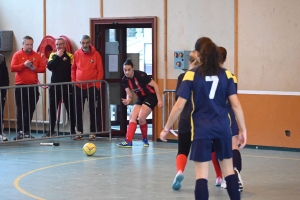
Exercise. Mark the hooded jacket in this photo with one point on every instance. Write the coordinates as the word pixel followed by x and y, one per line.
pixel 87 66
pixel 24 75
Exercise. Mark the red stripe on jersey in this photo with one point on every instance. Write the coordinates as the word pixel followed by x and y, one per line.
pixel 150 88
pixel 138 85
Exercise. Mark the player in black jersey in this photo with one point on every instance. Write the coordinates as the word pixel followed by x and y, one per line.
pixel 148 95
pixel 184 128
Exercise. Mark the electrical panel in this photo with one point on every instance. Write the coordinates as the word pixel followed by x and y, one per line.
pixel 181 59
pixel 6 40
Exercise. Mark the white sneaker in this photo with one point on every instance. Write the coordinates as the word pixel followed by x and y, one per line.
pixel 241 185
pixel 218 181
pixel 3 137
pixel 176 185
pixel 223 184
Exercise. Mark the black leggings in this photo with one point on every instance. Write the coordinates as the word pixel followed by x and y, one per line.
pixel 184 143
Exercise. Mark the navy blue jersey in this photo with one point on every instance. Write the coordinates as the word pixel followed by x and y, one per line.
pixel 233 124
pixel 208 95
pixel 138 84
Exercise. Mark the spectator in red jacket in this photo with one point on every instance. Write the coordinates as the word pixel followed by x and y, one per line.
pixel 27 64
pixel 87 65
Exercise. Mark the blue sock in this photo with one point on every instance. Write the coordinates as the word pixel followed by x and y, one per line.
pixel 233 187
pixel 201 189
pixel 237 159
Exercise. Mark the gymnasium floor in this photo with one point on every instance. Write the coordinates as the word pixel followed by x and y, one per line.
pixel 30 171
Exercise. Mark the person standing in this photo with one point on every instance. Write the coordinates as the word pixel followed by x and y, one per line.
pixel 4 81
pixel 59 64
pixel 148 95
pixel 26 63
pixel 236 155
pixel 87 65
pixel 209 86
pixel 184 127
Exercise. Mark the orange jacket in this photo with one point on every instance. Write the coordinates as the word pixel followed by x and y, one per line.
pixel 24 75
pixel 87 66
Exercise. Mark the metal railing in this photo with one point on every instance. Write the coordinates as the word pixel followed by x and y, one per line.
pixel 169 98
pixel 30 108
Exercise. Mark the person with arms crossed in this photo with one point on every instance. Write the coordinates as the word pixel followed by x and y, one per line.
pixel 59 64
pixel 148 95
pixel 87 65
pixel 26 63
pixel 4 81
pixel 209 86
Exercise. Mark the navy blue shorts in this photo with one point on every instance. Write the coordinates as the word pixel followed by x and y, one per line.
pixel 150 100
pixel 201 149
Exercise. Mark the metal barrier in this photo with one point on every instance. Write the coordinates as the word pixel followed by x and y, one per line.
pixel 169 98
pixel 36 111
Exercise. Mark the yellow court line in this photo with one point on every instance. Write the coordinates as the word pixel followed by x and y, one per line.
pixel 17 180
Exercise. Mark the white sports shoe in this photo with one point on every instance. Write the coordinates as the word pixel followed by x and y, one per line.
pixel 223 184
pixel 218 181
pixel 3 137
pixel 176 185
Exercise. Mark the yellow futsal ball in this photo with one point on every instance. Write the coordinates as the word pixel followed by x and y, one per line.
pixel 89 149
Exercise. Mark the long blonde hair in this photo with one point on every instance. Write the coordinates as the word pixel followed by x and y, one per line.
pixel 194 59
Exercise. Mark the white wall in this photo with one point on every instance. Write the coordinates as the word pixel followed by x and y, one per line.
pixel 269 45
pixel 189 20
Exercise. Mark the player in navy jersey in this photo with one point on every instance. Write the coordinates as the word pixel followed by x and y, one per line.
pixel 236 155
pixel 148 95
pixel 209 87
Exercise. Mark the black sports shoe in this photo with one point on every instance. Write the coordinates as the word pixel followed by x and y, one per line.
pixel 50 134
pixel 20 136
pixel 78 137
pixel 27 135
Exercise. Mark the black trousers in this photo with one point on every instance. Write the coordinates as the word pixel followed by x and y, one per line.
pixel 26 99
pixel 56 93
pixel 184 137
pixel 91 94
pixel 2 104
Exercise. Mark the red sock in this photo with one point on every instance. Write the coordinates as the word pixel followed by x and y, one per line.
pixel 130 131
pixel 144 130
pixel 181 160
pixel 216 165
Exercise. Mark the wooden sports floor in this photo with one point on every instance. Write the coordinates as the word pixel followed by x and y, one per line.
pixel 30 171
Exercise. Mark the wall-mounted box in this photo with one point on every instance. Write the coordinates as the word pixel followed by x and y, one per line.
pixel 6 40
pixel 181 59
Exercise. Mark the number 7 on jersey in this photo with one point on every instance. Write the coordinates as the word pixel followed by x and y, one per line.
pixel 215 80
